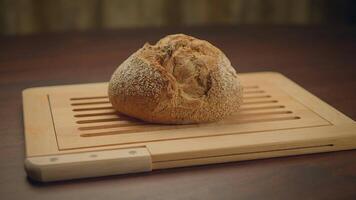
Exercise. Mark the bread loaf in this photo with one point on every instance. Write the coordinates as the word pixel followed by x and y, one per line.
pixel 179 80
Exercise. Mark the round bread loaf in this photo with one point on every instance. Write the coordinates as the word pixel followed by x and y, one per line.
pixel 179 80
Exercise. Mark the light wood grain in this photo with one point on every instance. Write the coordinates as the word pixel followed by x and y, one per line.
pixel 39 131
pixel 277 118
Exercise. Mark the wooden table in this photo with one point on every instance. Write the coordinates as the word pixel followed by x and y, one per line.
pixel 322 60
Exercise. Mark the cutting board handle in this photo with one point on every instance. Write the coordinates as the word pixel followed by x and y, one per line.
pixel 88 164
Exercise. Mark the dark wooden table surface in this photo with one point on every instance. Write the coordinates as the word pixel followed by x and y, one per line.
pixel 322 60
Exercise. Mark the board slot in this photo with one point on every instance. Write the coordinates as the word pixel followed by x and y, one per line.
pixel 253 91
pixel 250 87
pixel 100 120
pixel 92 108
pixel 83 112
pixel 121 116
pixel 111 115
pixel 259 102
pixel 261 108
pixel 121 124
pixel 86 98
pixel 151 127
pixel 84 101
pixel 132 129
pixel 257 97
pixel 265 113
pixel 241 121
pixel 96 114
pixel 90 103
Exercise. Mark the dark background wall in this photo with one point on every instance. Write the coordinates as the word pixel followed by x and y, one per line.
pixel 34 16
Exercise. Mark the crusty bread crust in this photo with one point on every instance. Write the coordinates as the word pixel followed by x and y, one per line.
pixel 179 80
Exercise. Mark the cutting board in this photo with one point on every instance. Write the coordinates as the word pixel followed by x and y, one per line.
pixel 72 131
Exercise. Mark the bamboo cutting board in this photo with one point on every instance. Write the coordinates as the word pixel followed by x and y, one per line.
pixel 72 131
